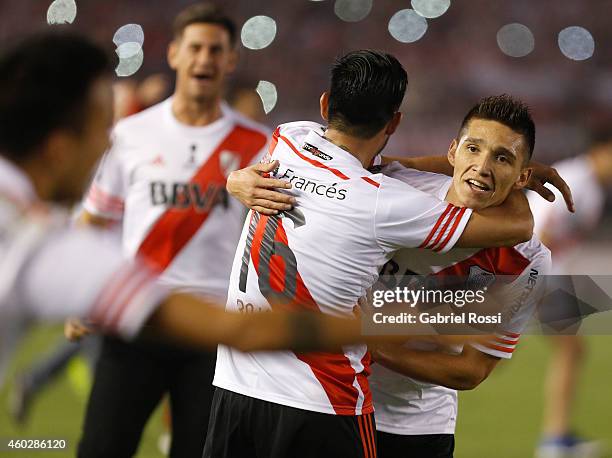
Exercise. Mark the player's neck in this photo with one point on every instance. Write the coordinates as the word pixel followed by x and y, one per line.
pixel 196 112
pixel 452 197
pixel 363 149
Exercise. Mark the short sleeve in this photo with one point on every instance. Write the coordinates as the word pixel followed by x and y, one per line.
pixel 431 183
pixel 523 296
pixel 408 218
pixel 106 194
pixel 79 272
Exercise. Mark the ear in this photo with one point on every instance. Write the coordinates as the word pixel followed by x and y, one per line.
pixel 523 178
pixel 324 104
pixel 452 149
pixel 394 123
pixel 172 52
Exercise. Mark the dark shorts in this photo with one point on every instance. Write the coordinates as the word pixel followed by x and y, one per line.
pixel 241 427
pixel 130 381
pixel 417 446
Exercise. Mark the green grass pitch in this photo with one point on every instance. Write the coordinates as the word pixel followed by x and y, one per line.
pixel 500 418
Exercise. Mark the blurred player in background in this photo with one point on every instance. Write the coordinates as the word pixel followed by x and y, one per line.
pixel 130 97
pixel 416 412
pixel 164 182
pixel 588 175
pixel 49 270
pixel 348 222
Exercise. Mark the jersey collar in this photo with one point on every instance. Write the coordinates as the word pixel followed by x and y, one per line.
pixel 215 126
pixel 336 154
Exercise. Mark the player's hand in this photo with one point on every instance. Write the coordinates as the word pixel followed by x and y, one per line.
pixel 75 330
pixel 543 174
pixel 258 192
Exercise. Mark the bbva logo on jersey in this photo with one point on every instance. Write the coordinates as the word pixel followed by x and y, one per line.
pixel 186 195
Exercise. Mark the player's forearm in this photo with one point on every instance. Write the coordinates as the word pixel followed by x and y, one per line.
pixel 505 225
pixel 198 324
pixel 435 164
pixel 451 371
pixel 299 331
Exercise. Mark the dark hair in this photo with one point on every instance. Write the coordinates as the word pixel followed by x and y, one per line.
pixel 508 111
pixel 367 88
pixel 44 85
pixel 204 13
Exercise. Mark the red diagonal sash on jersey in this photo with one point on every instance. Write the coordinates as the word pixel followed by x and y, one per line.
pixel 333 370
pixel 173 229
pixel 500 261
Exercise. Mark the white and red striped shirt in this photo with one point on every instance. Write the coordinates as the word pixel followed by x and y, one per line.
pixel 323 255
pixel 50 271
pixel 165 182
pixel 407 406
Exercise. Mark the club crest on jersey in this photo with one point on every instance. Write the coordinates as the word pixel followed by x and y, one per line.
pixel 478 278
pixel 229 162
pixel 316 152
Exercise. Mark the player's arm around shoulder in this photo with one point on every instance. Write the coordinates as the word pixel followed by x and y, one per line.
pixel 196 323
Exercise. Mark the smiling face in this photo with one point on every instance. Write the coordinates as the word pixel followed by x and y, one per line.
pixel 490 160
pixel 202 57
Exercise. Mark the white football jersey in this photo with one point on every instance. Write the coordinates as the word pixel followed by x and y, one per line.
pixel 322 256
pixel 166 182
pixel 410 407
pixel 49 271
pixel 564 230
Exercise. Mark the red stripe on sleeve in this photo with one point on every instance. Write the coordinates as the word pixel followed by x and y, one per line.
pixel 453 229
pixel 120 311
pixel 111 291
pixel 498 348
pixel 435 228
pixel 448 221
pixel 506 342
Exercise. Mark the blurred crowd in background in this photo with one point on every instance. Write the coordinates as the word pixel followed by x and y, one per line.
pixel 455 63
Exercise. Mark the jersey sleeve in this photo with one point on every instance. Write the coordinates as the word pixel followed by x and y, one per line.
pixel 80 273
pixel 406 217
pixel 432 183
pixel 106 195
pixel 522 297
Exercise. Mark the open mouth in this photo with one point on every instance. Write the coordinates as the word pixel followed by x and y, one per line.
pixel 203 77
pixel 478 186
